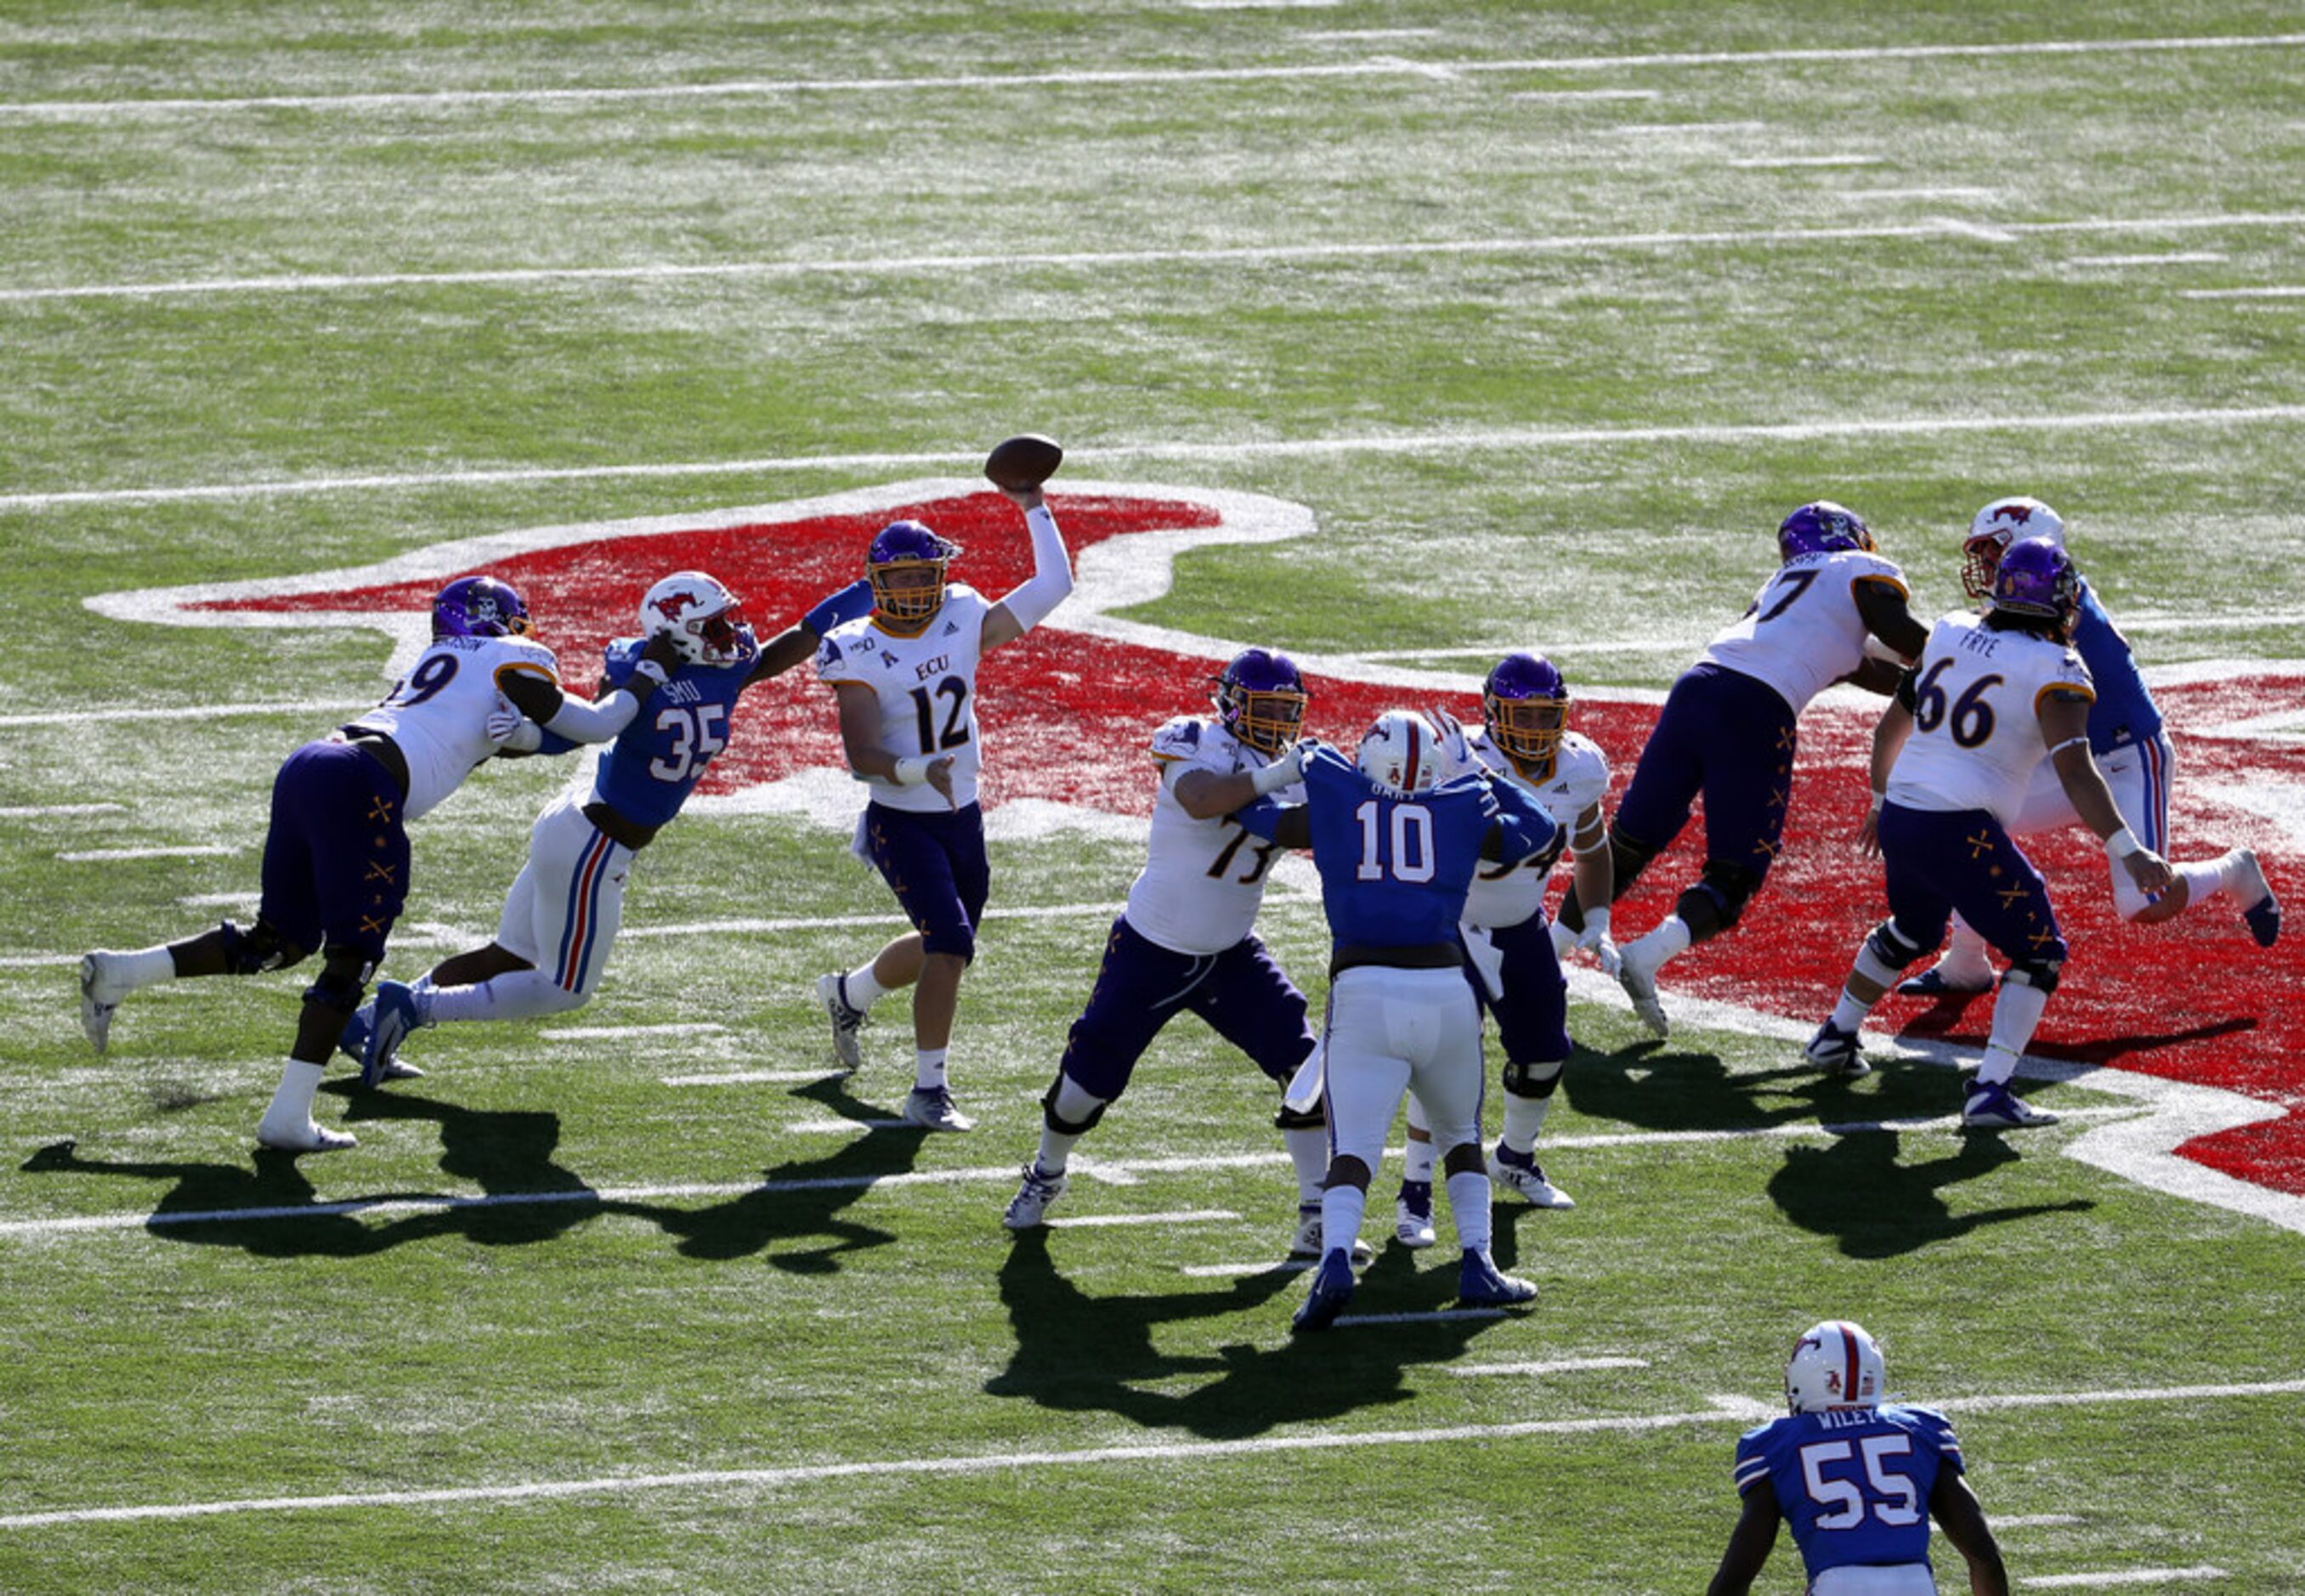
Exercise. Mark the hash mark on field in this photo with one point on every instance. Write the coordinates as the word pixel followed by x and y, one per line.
pixel 2126 1576
pixel 1190 1215
pixel 752 1078
pixel 1429 1316
pixel 575 1034
pixel 2283 291
pixel 34 812
pixel 186 850
pixel 1771 162
pixel 1550 1366
pixel 2183 257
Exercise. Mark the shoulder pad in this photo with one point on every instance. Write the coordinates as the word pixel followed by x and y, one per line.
pixel 1183 738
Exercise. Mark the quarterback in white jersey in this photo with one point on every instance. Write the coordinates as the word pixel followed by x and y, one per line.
pixel 335 853
pixel 1728 730
pixel 1990 697
pixel 905 679
pixel 1183 943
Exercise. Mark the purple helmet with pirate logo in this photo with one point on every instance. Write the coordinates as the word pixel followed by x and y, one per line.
pixel 1823 527
pixel 479 607
pixel 2036 577
pixel 1524 703
pixel 1261 698
pixel 906 547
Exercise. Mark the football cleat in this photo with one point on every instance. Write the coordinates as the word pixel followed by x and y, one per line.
pixel 1835 1051
pixel 307 1137
pixel 352 1044
pixel 1941 980
pixel 1480 1284
pixel 1307 1243
pixel 1520 1173
pixel 847 1022
pixel 1032 1198
pixel 1637 975
pixel 2264 912
pixel 931 1108
pixel 99 1000
pixel 395 1016
pixel 1412 1215
pixel 1997 1109
pixel 1332 1289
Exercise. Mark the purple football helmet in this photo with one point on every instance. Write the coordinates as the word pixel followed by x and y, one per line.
pixel 479 607
pixel 1261 698
pixel 1525 704
pixel 1823 527
pixel 2036 578
pixel 907 547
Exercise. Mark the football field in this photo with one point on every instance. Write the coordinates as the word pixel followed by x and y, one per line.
pixel 1393 333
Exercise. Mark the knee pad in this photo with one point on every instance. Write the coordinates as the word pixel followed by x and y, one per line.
pixel 1315 1118
pixel 2040 974
pixel 1057 1122
pixel 1533 1080
pixel 1891 946
pixel 1628 856
pixel 343 978
pixel 1718 900
pixel 255 951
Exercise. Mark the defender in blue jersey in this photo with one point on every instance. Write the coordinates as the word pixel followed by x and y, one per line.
pixel 2130 745
pixel 565 907
pixel 1857 1480
pixel 1396 836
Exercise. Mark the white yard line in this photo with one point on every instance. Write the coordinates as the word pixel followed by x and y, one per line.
pixel 1431 1316
pixel 183 851
pixel 1188 1216
pixel 34 811
pixel 1552 1366
pixel 2036 1521
pixel 1232 1271
pixel 1772 163
pixel 2279 291
pixel 181 712
pixel 2181 257
pixel 1901 195
pixel 1324 1439
pixel 1420 444
pixel 574 1033
pixel 2126 1576
pixel 1383 67
pixel 752 1078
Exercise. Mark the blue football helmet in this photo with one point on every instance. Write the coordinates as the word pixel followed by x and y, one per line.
pixel 1261 698
pixel 2036 577
pixel 1823 527
pixel 479 607
pixel 907 546
pixel 1524 703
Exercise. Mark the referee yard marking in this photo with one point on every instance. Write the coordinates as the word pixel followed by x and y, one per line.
pixel 815 1474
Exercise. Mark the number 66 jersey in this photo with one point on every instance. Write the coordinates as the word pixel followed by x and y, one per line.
pixel 1203 880
pixel 1977 729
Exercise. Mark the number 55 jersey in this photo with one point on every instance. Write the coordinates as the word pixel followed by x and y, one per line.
pixel 1853 1483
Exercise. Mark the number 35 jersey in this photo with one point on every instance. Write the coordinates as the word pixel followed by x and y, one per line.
pixel 1976 732
pixel 1203 880
pixel 1852 1483
pixel 648 772
pixel 927 690
pixel 438 713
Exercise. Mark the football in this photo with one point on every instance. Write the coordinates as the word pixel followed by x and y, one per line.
pixel 1024 461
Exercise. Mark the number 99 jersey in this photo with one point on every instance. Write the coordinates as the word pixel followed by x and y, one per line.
pixel 1853 1483
pixel 648 772
pixel 1977 729
pixel 1203 880
pixel 438 713
pixel 927 689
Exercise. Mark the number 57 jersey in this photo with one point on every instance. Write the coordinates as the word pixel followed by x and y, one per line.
pixel 1203 880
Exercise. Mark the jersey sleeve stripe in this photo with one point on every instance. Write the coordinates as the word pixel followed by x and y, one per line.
pixel 2087 693
pixel 529 668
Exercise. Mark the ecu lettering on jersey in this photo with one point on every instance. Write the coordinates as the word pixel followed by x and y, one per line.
pixel 926 691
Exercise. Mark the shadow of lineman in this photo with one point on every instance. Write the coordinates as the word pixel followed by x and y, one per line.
pixel 1077 1353
pixel 1857 1190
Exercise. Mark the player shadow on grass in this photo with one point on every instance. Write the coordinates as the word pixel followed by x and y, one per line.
pixel 1657 1086
pixel 1076 1353
pixel 1903 1208
pixel 798 1200
pixel 1961 1018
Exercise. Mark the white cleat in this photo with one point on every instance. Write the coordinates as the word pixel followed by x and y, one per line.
pixel 1526 1180
pixel 846 1023
pixel 931 1108
pixel 1028 1207
pixel 1306 1241
pixel 308 1137
pixel 99 999
pixel 1637 973
pixel 1412 1215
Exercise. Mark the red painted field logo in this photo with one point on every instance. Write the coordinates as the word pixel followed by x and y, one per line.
pixel 1066 712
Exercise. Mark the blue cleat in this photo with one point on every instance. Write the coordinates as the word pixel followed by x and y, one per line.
pixel 353 1042
pixel 395 1016
pixel 1480 1284
pixel 2262 916
pixel 1835 1051
pixel 1332 1289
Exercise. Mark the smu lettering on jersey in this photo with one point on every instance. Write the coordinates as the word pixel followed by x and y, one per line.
pixel 1506 894
pixel 648 772
pixel 1976 732
pixel 1852 1483
pixel 1203 880
pixel 1803 632
pixel 927 690
pixel 438 712
pixel 2124 711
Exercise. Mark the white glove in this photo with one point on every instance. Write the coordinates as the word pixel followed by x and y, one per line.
pixel 1612 960
pixel 511 731
pixel 1285 771
pixel 1452 747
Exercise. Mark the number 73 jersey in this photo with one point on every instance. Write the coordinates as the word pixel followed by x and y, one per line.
pixel 1853 1483
pixel 1203 880
pixel 1977 729
pixel 927 689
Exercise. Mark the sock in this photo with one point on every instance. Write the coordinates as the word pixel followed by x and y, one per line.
pixel 1524 1118
pixel 1341 1207
pixel 143 968
pixel 1668 937
pixel 859 990
pixel 928 1069
pixel 292 1101
pixel 1848 1014
pixel 1416 1159
pixel 1074 1106
pixel 2213 879
pixel 515 994
pixel 1966 951
pixel 1468 1206
pixel 1055 1147
pixel 1308 1149
pixel 2016 1012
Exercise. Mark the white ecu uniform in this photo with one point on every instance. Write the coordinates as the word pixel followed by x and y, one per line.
pixel 438 713
pixel 1203 880
pixel 1507 895
pixel 1976 732
pixel 1795 643
pixel 927 690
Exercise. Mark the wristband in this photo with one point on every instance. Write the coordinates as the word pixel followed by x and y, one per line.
pixel 649 670
pixel 1879 800
pixel 911 769
pixel 2123 842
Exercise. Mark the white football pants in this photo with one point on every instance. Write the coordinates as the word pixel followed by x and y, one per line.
pixel 1896 1579
pixel 565 907
pixel 1390 1031
pixel 2140 776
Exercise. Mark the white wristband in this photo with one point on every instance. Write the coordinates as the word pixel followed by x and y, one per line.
pixel 2123 842
pixel 1879 800
pixel 911 769
pixel 651 671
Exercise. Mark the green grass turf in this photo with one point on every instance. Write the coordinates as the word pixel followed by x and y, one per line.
pixel 696 1313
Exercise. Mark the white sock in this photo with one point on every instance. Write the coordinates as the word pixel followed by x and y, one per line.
pixel 928 1069
pixel 1341 1207
pixel 1966 951
pixel 1524 1118
pixel 147 966
pixel 1416 1159
pixel 2213 879
pixel 2016 1013
pixel 515 994
pixel 1308 1149
pixel 1468 1206
pixel 1668 937
pixel 292 1101
pixel 1056 1148
pixel 859 990
pixel 1848 1014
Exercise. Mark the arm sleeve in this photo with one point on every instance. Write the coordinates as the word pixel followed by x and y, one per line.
pixel 850 603
pixel 593 723
pixel 1052 572
pixel 1287 824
